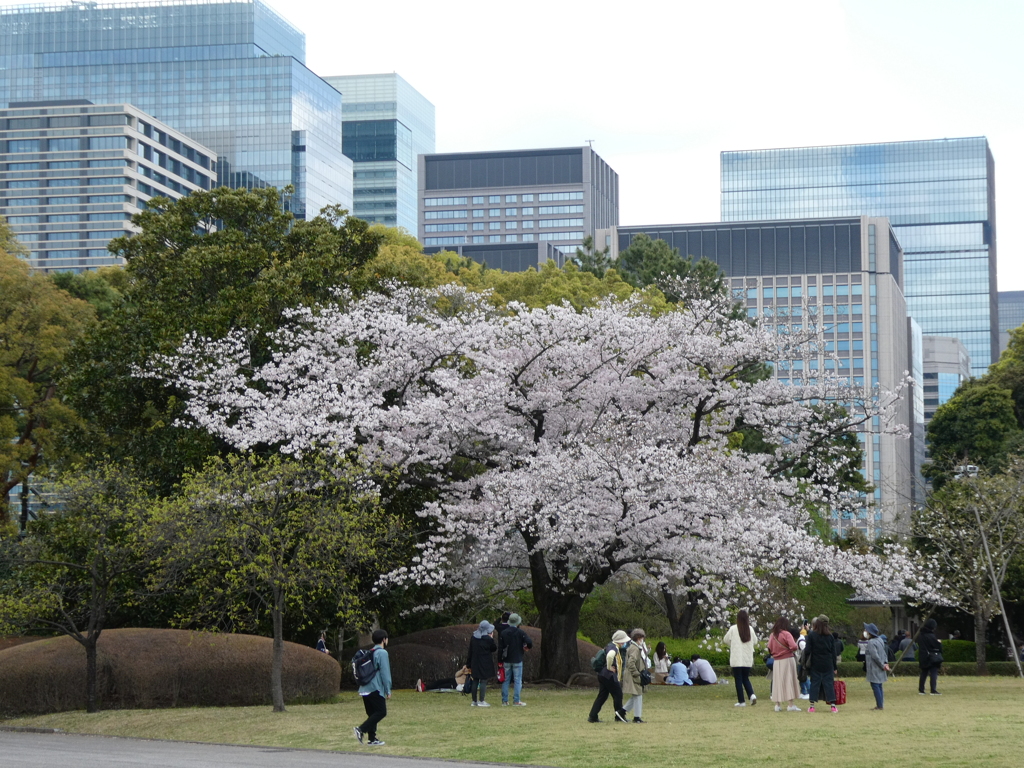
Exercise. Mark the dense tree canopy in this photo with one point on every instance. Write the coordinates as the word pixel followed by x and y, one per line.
pixel 601 438
pixel 39 323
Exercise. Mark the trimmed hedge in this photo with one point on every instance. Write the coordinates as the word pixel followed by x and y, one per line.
pixel 433 654
pixel 855 669
pixel 151 668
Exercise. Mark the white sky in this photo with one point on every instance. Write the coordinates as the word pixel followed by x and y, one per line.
pixel 663 87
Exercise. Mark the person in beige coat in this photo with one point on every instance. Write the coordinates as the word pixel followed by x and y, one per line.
pixel 636 662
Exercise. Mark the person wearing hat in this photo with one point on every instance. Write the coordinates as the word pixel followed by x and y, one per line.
pixel 514 641
pixel 876 663
pixel 481 661
pixel 929 656
pixel 610 678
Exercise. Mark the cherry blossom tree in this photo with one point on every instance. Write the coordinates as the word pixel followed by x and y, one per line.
pixel 569 444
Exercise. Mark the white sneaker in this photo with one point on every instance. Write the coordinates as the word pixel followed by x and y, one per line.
pixel 793 708
pixel 778 707
pixel 805 696
pixel 741 704
pixel 472 703
pixel 518 703
pixel 483 704
pixel 753 700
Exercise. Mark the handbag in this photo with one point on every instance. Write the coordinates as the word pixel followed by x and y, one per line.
pixel 501 672
pixel 839 686
pixel 645 677
pixel 935 658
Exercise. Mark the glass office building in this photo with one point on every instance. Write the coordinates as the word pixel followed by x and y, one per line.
pixel 939 196
pixel 387 124
pixel 230 75
pixel 1011 315
pixel 72 176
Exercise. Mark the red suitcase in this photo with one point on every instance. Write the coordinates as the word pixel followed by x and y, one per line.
pixel 840 688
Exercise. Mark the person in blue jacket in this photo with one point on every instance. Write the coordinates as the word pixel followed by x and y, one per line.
pixel 376 692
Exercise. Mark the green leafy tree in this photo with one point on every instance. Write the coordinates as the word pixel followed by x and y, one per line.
pixel 976 426
pixel 98 288
pixel 589 258
pixel 250 538
pixel 948 530
pixel 206 263
pixel 647 261
pixel 39 323
pixel 80 563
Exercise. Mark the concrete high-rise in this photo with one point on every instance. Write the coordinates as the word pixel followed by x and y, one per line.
pixel 1011 315
pixel 230 75
pixel 72 175
pixel 558 196
pixel 387 124
pixel 842 278
pixel 938 195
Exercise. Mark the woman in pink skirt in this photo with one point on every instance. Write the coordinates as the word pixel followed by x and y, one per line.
pixel 782 647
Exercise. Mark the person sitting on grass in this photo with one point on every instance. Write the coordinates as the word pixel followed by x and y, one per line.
pixel 701 671
pixel 677 674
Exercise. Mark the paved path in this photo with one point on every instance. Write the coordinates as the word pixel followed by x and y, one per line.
pixel 37 750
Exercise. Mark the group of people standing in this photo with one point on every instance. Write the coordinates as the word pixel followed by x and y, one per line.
pixel 510 647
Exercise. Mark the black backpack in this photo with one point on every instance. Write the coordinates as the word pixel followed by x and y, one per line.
pixel 363 668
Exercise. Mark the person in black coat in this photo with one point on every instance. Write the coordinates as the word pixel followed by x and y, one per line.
pixel 820 660
pixel 514 642
pixel 929 656
pixel 481 661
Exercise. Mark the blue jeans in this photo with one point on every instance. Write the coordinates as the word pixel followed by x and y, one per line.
pixel 511 670
pixel 876 688
pixel 805 686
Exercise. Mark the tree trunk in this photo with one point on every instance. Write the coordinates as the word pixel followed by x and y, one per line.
pixel 980 635
pixel 680 619
pixel 560 621
pixel 91 703
pixel 277 667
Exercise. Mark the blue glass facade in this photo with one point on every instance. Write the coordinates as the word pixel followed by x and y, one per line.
pixel 1011 315
pixel 230 75
pixel 387 124
pixel 938 195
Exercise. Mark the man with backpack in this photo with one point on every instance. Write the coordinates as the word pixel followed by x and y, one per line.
pixel 513 642
pixel 372 670
pixel 609 665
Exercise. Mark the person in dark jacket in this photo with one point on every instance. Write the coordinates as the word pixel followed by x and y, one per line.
pixel 481 661
pixel 820 660
pixel 929 656
pixel 609 679
pixel 513 643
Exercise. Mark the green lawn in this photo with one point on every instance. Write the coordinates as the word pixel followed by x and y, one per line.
pixel 977 722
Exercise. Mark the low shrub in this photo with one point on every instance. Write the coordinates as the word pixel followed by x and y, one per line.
pixel 150 668
pixel 964 650
pixel 433 654
pixel 712 650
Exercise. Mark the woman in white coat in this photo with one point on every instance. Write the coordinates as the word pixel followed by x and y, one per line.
pixel 741 639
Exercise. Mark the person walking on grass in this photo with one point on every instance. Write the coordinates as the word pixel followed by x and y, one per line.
pixel 609 679
pixel 481 661
pixel 929 656
pixel 741 640
pixel 376 692
pixel 876 663
pixel 632 685
pixel 514 641
pixel 783 648
pixel 820 660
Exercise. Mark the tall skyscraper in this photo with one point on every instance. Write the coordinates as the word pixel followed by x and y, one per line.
pixel 387 124
pixel 72 175
pixel 841 277
pixel 230 75
pixel 939 196
pixel 528 196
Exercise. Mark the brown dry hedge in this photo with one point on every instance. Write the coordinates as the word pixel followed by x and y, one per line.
pixel 148 668
pixel 432 654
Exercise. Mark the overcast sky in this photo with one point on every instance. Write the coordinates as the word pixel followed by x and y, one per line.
pixel 663 87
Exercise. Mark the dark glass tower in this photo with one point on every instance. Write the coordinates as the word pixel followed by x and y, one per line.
pixel 230 75
pixel 938 195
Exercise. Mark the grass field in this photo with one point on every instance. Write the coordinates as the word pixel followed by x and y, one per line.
pixel 977 722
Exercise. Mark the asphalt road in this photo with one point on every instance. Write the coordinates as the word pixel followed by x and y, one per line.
pixel 46 750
